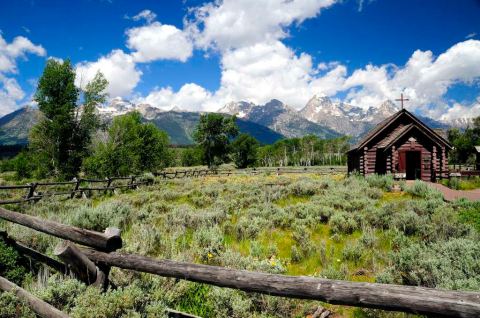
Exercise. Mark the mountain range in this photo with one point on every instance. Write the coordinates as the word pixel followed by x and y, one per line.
pixel 268 123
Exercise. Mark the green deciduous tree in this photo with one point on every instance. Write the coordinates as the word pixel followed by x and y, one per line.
pixel 128 147
pixel 60 140
pixel 244 151
pixel 191 156
pixel 213 135
pixel 305 151
pixel 464 143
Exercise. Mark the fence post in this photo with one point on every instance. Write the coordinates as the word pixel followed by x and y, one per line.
pixel 31 190
pixel 75 189
pixel 133 185
pixel 109 183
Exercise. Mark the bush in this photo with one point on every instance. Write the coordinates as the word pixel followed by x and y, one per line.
pixel 11 306
pixel 12 266
pixel 384 182
pixel 352 253
pixel 210 242
pixel 122 302
pixel 423 190
pixel 453 183
pixel 469 212
pixel 61 293
pixel 106 214
pixel 342 223
pixel 331 272
pixel 454 264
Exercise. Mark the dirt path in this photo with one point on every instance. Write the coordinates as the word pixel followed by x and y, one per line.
pixel 451 195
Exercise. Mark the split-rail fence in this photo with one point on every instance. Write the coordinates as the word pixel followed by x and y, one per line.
pixel 96 252
pixel 35 191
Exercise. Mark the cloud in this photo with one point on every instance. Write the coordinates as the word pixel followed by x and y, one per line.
pixel 240 23
pixel 263 71
pixel 10 94
pixel 190 97
pixel 147 15
pixel 362 3
pixel 119 69
pixel 18 48
pixel 458 111
pixel 158 41
pixel 424 78
pixel 471 35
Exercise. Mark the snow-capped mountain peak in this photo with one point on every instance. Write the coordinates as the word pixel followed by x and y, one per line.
pixel 241 109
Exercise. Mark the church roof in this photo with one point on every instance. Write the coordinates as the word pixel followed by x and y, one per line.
pixel 380 127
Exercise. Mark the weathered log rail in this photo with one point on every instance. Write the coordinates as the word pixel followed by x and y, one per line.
pixel 94 261
pixel 40 307
pixel 382 296
pixel 108 241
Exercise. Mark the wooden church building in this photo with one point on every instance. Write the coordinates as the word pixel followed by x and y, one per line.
pixel 401 145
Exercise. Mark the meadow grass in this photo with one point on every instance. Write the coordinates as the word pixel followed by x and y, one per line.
pixel 300 224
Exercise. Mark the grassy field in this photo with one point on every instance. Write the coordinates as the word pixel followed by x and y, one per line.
pixel 462 184
pixel 325 226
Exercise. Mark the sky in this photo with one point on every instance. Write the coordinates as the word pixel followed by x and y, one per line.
pixel 200 55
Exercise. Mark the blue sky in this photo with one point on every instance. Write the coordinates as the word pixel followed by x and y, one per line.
pixel 199 55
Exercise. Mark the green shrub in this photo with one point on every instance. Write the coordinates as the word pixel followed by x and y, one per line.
pixel 210 242
pixel 249 228
pixel 122 302
pixel 453 183
pixel 423 190
pixel 61 293
pixel 296 255
pixel 12 307
pixel 194 299
pixel 12 266
pixel 454 264
pixel 330 272
pixel 106 214
pixel 342 223
pixel 469 212
pixel 352 253
pixel 384 182
pixel 228 302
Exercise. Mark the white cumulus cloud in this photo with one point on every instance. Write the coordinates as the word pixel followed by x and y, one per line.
pixel 158 41
pixel 10 94
pixel 119 69
pixel 18 48
pixel 189 97
pixel 239 23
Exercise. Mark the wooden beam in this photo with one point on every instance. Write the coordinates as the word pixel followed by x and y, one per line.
pixel 40 307
pixel 81 236
pixel 412 299
pixel 83 268
pixel 33 254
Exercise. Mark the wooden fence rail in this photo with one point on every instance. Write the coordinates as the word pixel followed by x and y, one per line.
pixel 40 307
pixel 108 241
pixel 389 297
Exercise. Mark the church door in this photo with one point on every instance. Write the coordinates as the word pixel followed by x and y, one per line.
pixel 413 165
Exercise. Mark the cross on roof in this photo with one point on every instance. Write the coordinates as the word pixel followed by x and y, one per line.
pixel 401 100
